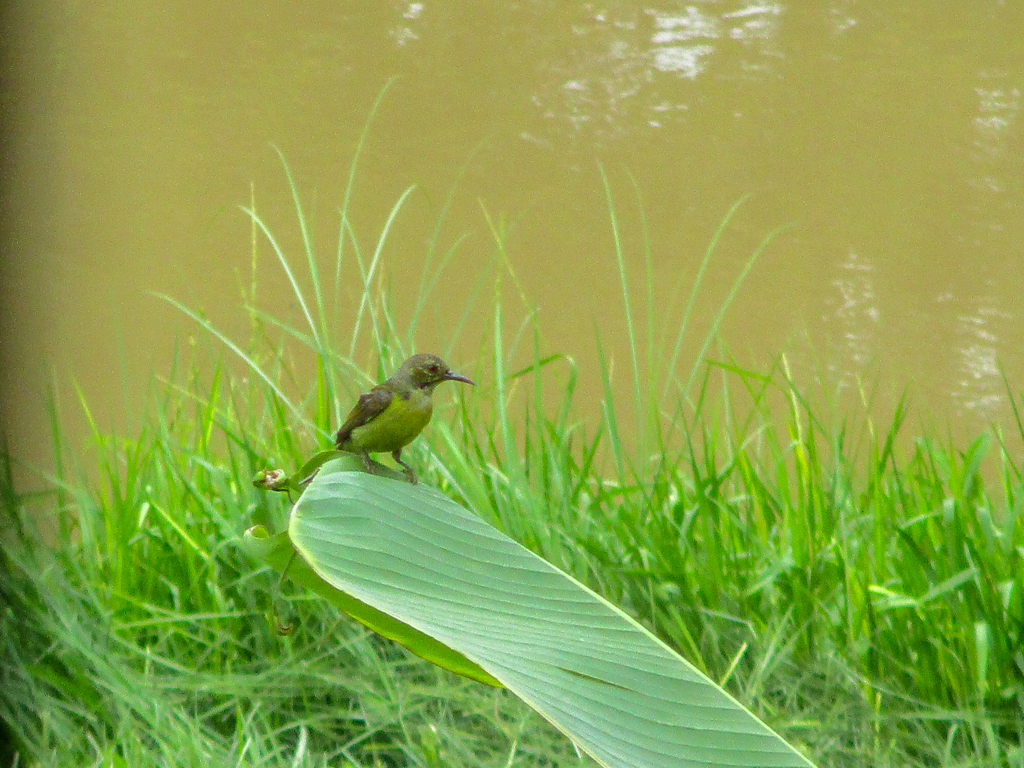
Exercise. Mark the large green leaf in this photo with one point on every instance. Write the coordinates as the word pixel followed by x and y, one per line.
pixel 610 685
pixel 277 551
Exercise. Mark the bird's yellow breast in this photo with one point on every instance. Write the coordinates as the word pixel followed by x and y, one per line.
pixel 396 426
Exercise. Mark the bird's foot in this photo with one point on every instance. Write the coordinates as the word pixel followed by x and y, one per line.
pixel 409 474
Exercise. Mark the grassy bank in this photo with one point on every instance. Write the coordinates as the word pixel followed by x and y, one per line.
pixel 867 603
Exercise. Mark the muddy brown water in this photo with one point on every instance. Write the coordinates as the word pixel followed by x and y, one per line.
pixel 887 137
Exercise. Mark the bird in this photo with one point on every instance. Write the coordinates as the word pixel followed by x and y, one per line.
pixel 392 414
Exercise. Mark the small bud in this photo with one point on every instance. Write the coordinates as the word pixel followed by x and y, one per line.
pixel 271 480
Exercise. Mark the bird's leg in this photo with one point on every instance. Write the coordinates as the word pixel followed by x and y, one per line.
pixel 409 474
pixel 367 463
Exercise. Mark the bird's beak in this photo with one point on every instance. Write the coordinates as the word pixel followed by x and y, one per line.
pixel 453 376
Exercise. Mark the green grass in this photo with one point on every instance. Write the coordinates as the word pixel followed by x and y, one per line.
pixel 866 601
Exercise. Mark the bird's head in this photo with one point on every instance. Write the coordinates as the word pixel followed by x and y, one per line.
pixel 427 371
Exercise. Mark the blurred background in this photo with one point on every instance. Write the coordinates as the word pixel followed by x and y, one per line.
pixel 887 136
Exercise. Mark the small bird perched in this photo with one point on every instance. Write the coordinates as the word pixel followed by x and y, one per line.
pixel 392 414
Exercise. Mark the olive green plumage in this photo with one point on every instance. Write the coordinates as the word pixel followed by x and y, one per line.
pixel 392 414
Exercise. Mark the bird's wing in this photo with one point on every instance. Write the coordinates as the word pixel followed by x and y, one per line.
pixel 370 405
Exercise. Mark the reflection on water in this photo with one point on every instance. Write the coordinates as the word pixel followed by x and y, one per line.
pixel 980 387
pixel 857 315
pixel 998 107
pixel 987 329
pixel 672 46
pixel 403 33
pixel 610 74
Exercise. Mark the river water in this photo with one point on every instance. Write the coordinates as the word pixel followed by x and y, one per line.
pixel 887 138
